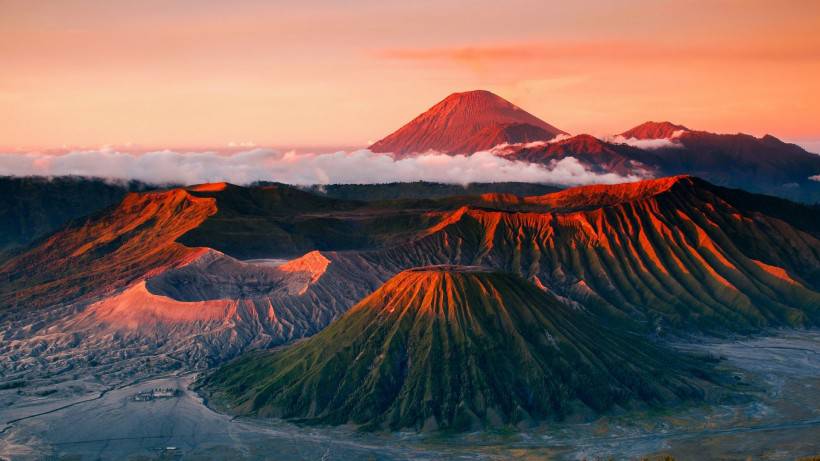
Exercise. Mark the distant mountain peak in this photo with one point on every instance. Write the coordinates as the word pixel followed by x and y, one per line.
pixel 464 123
pixel 655 130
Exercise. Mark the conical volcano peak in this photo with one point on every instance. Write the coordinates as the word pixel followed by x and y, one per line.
pixel 457 348
pixel 464 123
pixel 440 290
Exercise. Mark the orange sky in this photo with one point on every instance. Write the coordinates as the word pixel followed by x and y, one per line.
pixel 308 72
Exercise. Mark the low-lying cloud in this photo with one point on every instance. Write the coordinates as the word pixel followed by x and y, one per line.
pixel 508 148
pixel 356 167
pixel 646 144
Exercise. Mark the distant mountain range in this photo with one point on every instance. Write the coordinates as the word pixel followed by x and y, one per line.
pixel 464 123
pixel 34 207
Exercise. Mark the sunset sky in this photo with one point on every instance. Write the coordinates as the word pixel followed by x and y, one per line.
pixel 345 73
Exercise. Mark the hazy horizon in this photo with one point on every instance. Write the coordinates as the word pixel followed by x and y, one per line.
pixel 93 73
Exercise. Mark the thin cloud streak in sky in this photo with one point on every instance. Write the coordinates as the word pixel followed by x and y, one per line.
pixel 357 167
pixel 621 50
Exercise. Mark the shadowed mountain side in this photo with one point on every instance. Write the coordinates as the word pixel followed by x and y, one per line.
pixel 446 348
pixel 765 165
pixel 32 207
pixel 284 221
pixel 148 232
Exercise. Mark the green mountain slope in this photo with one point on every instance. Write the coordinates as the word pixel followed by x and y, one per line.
pixel 455 348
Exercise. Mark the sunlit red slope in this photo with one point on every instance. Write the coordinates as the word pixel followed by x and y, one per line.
pixel 456 348
pixel 675 252
pixel 106 252
pixel 464 123
pixel 32 207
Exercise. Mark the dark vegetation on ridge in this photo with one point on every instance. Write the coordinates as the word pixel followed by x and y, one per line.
pixel 32 207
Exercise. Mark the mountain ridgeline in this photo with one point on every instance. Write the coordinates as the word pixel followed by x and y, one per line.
pixel 195 276
pixel 675 253
pixel 472 121
pixel 456 348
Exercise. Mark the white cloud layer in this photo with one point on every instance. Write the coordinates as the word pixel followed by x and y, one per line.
pixel 357 167
pixel 508 148
pixel 645 144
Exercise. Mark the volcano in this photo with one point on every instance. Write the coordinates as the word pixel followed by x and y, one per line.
pixel 674 253
pixel 33 207
pixel 464 123
pixel 455 347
